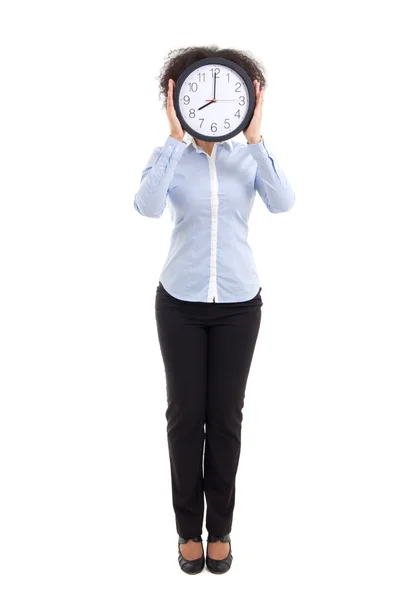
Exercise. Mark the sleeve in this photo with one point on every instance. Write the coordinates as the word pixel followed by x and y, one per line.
pixel 270 181
pixel 151 197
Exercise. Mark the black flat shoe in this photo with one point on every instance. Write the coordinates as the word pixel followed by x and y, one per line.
pixel 219 566
pixel 192 567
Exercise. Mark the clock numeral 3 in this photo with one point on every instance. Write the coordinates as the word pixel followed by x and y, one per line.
pixel 241 98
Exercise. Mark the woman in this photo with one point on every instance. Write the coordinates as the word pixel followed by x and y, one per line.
pixel 208 305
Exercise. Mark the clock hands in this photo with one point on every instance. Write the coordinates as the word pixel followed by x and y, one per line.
pixel 208 104
pixel 214 99
pixel 219 100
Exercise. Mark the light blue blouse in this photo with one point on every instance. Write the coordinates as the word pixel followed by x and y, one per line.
pixel 210 199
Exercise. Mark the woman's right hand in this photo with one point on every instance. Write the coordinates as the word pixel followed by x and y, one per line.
pixel 175 127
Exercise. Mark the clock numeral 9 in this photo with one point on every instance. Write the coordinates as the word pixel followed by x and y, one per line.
pixel 227 125
pixel 241 98
pixel 186 99
pixel 191 113
pixel 193 86
pixel 213 127
pixel 238 86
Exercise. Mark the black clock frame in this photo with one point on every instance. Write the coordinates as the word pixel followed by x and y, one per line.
pixel 250 109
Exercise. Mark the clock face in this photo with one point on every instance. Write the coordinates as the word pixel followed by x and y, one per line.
pixel 214 99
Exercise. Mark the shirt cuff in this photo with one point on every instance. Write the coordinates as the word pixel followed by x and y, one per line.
pixel 248 143
pixel 260 150
pixel 170 153
pixel 173 148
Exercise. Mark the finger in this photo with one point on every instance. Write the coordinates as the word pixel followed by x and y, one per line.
pixel 171 88
pixel 260 97
pixel 255 82
pixel 169 97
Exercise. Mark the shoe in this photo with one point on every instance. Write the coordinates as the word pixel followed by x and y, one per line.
pixel 219 566
pixel 192 567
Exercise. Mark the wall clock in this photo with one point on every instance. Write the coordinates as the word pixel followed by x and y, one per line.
pixel 214 99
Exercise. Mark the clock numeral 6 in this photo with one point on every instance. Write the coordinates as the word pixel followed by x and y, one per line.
pixel 213 127
pixel 227 125
pixel 186 99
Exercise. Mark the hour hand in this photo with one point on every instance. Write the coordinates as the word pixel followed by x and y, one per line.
pixel 208 103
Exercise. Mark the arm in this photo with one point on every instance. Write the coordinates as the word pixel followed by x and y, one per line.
pixel 151 197
pixel 270 181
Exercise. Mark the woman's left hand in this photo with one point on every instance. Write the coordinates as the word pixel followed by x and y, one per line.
pixel 252 133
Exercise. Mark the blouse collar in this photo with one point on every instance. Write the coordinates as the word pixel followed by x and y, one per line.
pixel 189 139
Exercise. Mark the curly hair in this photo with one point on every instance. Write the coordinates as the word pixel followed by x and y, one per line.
pixel 178 60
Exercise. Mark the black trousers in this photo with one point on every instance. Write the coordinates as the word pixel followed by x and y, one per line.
pixel 207 350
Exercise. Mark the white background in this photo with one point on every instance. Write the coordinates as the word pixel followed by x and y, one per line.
pixel 85 503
